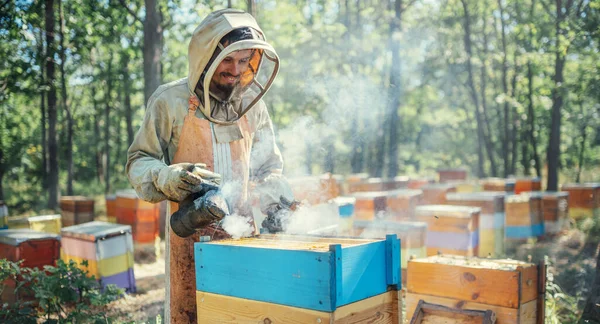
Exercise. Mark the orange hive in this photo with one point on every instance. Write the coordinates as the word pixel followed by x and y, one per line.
pixel 435 194
pixel 584 199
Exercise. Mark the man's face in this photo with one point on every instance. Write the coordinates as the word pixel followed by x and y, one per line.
pixel 228 73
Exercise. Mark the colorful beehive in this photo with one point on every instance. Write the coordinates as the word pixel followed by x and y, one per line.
pixel 46 223
pixel 108 249
pixel 555 209
pixel 345 207
pixel 370 205
pixel 111 208
pixel 584 200
pixel 315 189
pixel 509 288
pixel 498 184
pixel 450 229
pixel 446 175
pixel 316 280
pixel 419 182
pixel 466 186
pixel 491 219
pixel 524 218
pixel 36 249
pixel 412 237
pixel 401 203
pixel 143 218
pixel 527 184
pixel 435 194
pixel 76 210
pixel 3 215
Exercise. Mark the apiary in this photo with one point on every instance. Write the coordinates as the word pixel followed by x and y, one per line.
pixel 584 200
pixel 491 219
pixel 401 203
pixel 108 249
pixel 76 210
pixel 435 193
pixel 450 229
pixel 316 280
pixel 143 217
pixel 511 289
pixel 498 184
pixel 527 184
pixel 555 210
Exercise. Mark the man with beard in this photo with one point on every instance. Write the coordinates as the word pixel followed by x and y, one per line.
pixel 210 129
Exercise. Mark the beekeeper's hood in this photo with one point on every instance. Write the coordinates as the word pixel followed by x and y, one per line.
pixel 205 53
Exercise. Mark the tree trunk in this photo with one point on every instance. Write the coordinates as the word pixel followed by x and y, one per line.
pixel 52 116
pixel 127 99
pixel 69 115
pixel 330 155
pixel 153 40
pixel 487 132
pixel 582 149
pixel 44 144
pixel 394 92
pixel 591 312
pixel 98 146
pixel 473 91
pixel 228 3
pixel 515 120
pixel 553 155
pixel 107 108
pixel 505 142
pixel 251 6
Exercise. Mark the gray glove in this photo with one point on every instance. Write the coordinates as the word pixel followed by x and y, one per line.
pixel 177 181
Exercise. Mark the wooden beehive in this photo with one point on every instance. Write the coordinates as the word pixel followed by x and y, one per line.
pixel 524 218
pixel 108 249
pixel 450 229
pixel 141 215
pixel 491 219
pixel 417 183
pixel 509 288
pixel 445 175
pixel 111 208
pixel 315 189
pixel 498 184
pixel 412 237
pixel 401 203
pixel 36 249
pixel 435 193
pixel 433 313
pixel 584 200
pixel 345 207
pixel 45 223
pixel 76 210
pixel 327 280
pixel 463 186
pixel 527 184
pixel 370 205
pixel 367 185
pixel 555 210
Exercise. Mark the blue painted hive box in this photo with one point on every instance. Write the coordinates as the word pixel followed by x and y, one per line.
pixel 307 272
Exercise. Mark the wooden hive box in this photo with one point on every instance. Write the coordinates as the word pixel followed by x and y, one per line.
pixel 450 229
pixel 433 313
pixel 498 184
pixel 509 288
pixel 45 223
pixel 316 280
pixel 370 205
pixel 367 185
pixel 527 184
pixel 524 218
pixel 111 208
pixel 417 183
pixel 435 193
pixel 445 175
pixel 491 219
pixel 463 186
pixel 401 203
pixel 584 200
pixel 315 189
pixel 555 210
pixel 108 249
pixel 399 182
pixel 141 215
pixel 412 237
pixel 345 207
pixel 76 210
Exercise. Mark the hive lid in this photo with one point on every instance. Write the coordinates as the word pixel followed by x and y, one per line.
pixel 75 198
pixel 523 197
pixel 404 192
pixel 94 231
pixel 476 196
pixel 589 185
pixel 15 237
pixel 553 194
pixel 391 225
pixel 441 186
pixel 446 210
pixel 471 262
pixel 29 219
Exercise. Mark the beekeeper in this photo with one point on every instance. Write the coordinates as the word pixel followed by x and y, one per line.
pixel 215 117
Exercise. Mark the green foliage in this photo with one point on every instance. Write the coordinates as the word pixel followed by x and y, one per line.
pixel 61 294
pixel 561 308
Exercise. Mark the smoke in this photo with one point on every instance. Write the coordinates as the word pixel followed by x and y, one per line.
pixel 313 219
pixel 237 226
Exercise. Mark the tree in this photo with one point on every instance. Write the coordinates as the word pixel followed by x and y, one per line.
pixel 52 111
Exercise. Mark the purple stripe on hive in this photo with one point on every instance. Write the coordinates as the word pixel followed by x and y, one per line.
pixel 125 280
pixel 451 240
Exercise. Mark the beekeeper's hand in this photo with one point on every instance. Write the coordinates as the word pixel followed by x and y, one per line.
pixel 177 181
